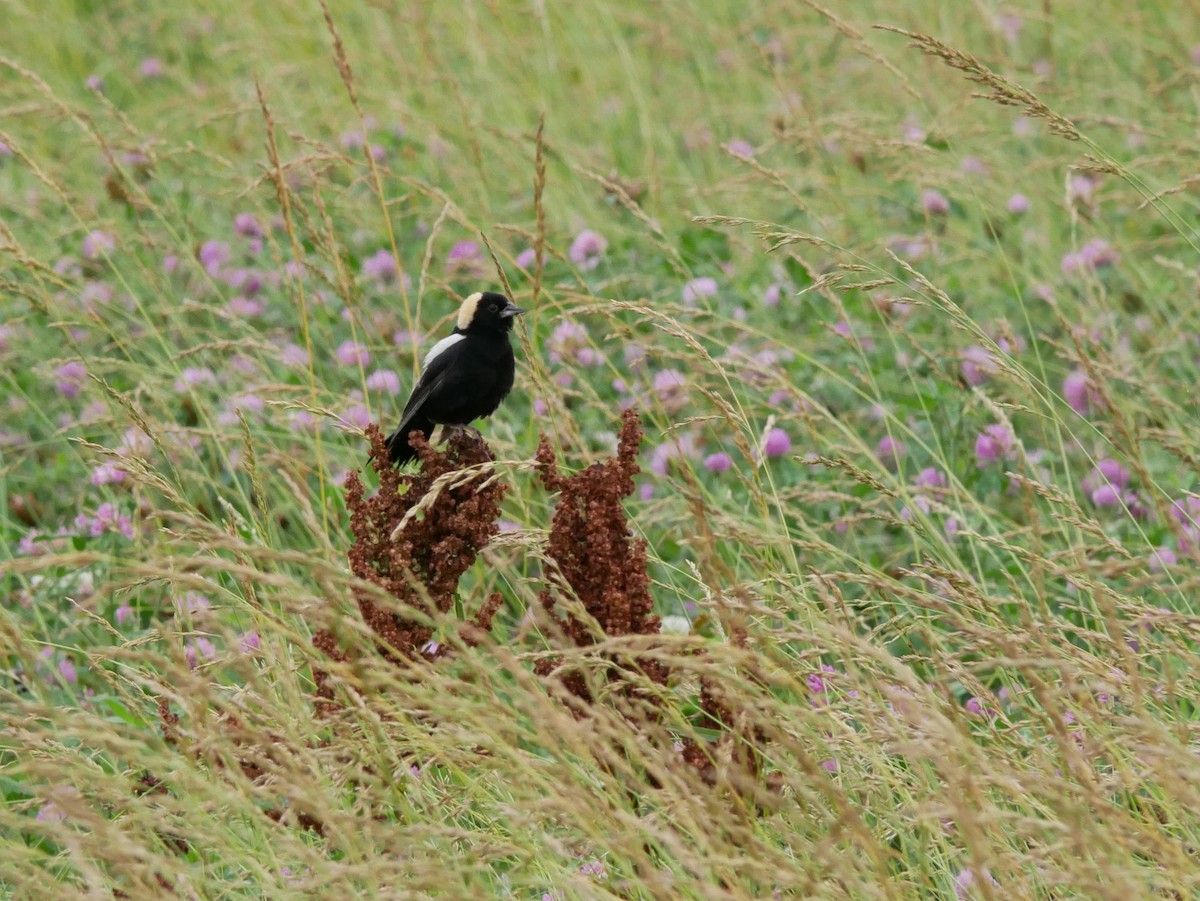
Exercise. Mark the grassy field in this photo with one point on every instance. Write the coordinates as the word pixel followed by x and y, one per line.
pixel 903 601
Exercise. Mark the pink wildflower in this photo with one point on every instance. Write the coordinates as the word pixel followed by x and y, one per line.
pixel 776 443
pixel 994 443
pixel 587 250
pixel 698 289
pixel 934 203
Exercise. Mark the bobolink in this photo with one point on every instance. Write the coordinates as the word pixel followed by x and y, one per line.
pixel 464 376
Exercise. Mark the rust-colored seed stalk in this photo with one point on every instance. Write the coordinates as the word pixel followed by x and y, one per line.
pixel 420 564
pixel 597 556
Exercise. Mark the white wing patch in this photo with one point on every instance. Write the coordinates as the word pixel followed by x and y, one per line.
pixel 440 348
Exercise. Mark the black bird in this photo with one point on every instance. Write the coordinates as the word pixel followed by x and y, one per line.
pixel 464 376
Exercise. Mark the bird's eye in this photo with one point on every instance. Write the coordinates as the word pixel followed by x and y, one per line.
pixel 494 308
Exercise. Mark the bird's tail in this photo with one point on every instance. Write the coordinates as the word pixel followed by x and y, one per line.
pixel 399 450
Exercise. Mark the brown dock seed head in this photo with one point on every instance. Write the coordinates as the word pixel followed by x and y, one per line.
pixel 420 564
pixel 598 557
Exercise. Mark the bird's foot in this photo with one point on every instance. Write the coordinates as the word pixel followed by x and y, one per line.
pixel 450 432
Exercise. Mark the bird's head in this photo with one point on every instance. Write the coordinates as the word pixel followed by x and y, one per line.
pixel 487 311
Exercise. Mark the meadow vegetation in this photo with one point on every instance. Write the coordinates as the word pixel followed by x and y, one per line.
pixel 839 540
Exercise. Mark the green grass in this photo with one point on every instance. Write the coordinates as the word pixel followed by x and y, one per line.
pixel 1010 686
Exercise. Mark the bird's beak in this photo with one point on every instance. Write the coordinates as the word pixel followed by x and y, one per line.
pixel 510 311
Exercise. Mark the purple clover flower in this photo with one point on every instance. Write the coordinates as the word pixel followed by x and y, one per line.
pixel 108 473
pixel 302 420
pixel 384 380
pixel 934 203
pixel 1095 254
pixel 106 519
pixel 199 650
pixel 196 604
pixel 569 343
pixel 698 289
pixel 1019 204
pixel 351 353
pixel 1113 472
pixel 28 545
pixel 1107 485
pixel 1080 188
pixel 890 451
pixel 921 502
pixel 68 378
pixel 97 244
pixel 635 354
pixel 973 165
pixel 741 148
pixel 1161 558
pixel 674 448
pixel 249 642
pixel 994 443
pixel 964 883
pixel 776 443
pixel 381 267
pixel 294 356
pixel 249 405
pixel 151 67
pixel 465 258
pixel 52 811
pixel 247 225
pixel 593 868
pixel 356 417
pixel 213 255
pixel 671 387
pixel 1080 393
pixel 195 376
pixel 1186 512
pixel 94 294
pixel 1010 26
pixel 588 249
pixel 846 330
pixel 1098 253
pixel 911 248
pixel 978 365
pixel 244 307
pixel 930 477
pixel 718 463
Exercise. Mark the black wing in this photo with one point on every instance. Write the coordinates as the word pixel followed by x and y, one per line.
pixel 438 378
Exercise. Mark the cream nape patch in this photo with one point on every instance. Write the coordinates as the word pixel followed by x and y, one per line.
pixel 467 311
pixel 440 348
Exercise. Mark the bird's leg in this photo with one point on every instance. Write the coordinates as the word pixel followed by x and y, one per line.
pixel 450 431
